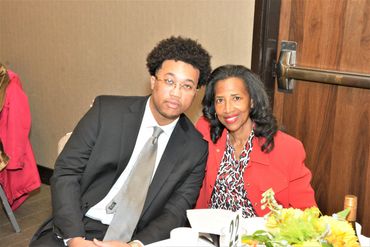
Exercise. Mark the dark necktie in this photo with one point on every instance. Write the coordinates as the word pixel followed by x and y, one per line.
pixel 128 204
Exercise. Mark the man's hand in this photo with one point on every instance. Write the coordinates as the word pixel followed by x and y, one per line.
pixel 110 243
pixel 80 242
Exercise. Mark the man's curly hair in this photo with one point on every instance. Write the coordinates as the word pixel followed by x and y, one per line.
pixel 180 49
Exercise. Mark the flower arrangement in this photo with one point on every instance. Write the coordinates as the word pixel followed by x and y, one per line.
pixel 295 227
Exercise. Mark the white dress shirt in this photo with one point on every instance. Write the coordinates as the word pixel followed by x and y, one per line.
pixel 98 212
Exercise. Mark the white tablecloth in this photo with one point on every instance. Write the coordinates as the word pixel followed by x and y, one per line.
pixel 248 226
pixel 172 243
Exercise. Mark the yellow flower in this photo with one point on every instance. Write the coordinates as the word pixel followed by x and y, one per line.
pixel 302 228
pixel 341 232
pixel 308 244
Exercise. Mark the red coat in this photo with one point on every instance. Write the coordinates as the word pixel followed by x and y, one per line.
pixel 282 169
pixel 20 175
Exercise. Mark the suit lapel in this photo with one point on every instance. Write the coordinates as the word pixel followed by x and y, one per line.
pixel 130 128
pixel 174 147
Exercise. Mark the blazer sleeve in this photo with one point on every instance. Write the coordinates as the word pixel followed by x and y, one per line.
pixel 301 194
pixel 203 127
pixel 69 169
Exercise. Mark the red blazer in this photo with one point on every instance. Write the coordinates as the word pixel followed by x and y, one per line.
pixel 282 169
pixel 20 176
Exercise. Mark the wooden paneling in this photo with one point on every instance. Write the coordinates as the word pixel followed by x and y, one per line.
pixel 331 121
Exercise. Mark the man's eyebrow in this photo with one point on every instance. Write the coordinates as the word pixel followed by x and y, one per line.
pixel 172 74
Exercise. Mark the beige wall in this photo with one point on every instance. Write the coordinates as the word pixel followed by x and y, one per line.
pixel 67 52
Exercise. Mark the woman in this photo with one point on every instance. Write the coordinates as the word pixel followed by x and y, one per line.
pixel 247 154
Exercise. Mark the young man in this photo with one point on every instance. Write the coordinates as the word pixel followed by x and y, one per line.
pixel 100 157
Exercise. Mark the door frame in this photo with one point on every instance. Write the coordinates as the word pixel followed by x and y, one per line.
pixel 265 42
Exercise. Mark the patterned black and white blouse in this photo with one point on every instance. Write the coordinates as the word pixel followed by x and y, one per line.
pixel 229 192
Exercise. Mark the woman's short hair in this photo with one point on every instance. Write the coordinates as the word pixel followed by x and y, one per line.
pixel 261 114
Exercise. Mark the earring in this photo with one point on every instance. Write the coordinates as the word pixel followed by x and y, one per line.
pixel 215 115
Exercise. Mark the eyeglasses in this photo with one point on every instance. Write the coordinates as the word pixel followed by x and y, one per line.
pixel 186 87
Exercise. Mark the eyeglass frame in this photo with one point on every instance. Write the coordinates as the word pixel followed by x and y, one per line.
pixel 174 84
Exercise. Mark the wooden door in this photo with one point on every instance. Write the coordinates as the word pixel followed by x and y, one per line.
pixel 332 121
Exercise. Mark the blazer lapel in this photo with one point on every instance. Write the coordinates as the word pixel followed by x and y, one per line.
pixel 175 145
pixel 130 128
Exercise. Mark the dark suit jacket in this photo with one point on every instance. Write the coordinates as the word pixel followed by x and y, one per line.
pixel 99 150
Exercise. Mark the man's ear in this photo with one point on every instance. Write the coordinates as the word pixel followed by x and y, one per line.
pixel 152 81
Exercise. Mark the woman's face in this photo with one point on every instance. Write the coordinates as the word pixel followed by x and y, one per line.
pixel 233 104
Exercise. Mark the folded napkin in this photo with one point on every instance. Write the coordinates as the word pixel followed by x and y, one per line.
pixel 364 241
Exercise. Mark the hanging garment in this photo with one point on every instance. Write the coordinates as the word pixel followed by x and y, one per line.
pixel 20 176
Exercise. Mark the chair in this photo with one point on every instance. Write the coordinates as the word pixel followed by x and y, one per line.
pixel 9 211
pixel 62 141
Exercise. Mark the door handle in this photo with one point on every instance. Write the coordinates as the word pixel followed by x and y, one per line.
pixel 287 72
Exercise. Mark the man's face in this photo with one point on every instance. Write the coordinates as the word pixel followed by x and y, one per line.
pixel 173 90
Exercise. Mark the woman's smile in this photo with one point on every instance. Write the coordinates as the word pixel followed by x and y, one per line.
pixel 231 119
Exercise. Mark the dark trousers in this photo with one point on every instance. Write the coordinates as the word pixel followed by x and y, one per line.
pixel 47 238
